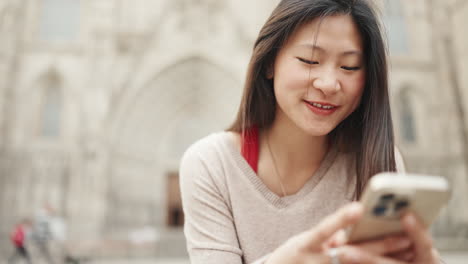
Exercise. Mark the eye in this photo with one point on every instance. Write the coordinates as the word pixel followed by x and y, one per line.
pixel 350 68
pixel 307 61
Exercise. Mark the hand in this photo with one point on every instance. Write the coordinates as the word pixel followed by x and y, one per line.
pixel 398 247
pixel 423 250
pixel 311 246
pixel 420 252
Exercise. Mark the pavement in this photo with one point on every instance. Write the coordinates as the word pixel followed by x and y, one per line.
pixel 448 257
pixel 455 257
pixel 141 261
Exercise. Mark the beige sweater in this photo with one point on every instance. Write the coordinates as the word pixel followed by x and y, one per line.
pixel 231 217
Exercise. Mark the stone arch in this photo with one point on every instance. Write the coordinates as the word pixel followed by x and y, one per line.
pixel 181 104
pixel 420 106
pixel 42 98
pixel 164 35
pixel 40 174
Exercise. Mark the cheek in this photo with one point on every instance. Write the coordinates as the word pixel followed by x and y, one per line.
pixel 290 82
pixel 356 87
pixel 291 76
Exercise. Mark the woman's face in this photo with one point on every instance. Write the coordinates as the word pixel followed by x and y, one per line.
pixel 319 75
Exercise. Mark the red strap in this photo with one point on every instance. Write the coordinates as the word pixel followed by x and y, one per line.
pixel 250 147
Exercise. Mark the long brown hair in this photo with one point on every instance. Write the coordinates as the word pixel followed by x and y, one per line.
pixel 368 131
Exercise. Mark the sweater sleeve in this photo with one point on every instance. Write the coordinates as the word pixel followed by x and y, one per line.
pixel 209 226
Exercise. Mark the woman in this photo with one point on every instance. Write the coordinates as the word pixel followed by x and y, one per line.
pixel 313 126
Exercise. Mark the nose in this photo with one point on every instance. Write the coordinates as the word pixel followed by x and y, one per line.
pixel 327 82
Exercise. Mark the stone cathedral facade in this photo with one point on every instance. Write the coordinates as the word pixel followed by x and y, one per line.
pixel 100 98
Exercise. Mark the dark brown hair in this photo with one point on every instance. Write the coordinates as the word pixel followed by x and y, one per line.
pixel 368 131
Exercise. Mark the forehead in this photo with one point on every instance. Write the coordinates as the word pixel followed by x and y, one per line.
pixel 334 33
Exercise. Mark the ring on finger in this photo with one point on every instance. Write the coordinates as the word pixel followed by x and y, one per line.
pixel 334 254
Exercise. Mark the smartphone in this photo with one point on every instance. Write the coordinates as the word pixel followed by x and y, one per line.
pixel 389 195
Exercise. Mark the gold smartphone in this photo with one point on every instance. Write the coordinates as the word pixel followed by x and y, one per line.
pixel 389 195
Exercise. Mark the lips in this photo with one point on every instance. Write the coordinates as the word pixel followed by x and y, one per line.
pixel 321 108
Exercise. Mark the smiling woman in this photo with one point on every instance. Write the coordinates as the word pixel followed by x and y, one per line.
pixel 313 127
pixel 314 70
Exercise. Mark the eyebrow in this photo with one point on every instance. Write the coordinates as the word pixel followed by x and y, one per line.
pixel 313 46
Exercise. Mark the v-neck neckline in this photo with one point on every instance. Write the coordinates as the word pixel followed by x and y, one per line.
pixel 260 186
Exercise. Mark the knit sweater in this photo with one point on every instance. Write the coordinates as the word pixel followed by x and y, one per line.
pixel 231 216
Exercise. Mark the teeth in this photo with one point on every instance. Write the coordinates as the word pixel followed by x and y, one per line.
pixel 323 106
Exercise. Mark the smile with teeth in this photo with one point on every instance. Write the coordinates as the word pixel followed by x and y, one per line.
pixel 326 107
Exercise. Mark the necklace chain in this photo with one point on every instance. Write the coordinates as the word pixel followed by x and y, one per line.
pixel 274 164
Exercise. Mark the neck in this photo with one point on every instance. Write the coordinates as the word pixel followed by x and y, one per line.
pixel 293 148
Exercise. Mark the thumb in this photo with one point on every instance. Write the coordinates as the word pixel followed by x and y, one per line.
pixel 344 217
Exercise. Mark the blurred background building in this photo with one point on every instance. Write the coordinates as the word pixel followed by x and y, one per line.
pixel 100 98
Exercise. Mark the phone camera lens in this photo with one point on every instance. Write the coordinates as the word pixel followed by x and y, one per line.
pixel 401 204
pixel 387 197
pixel 379 210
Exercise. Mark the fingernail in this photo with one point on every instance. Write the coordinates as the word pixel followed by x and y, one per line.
pixel 403 243
pixel 410 220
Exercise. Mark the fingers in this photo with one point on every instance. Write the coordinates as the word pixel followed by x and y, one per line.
pixel 435 254
pixel 355 255
pixel 406 255
pixel 387 245
pixel 418 233
pixel 344 217
pixel 351 255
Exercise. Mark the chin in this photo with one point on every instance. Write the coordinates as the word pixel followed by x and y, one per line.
pixel 317 131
